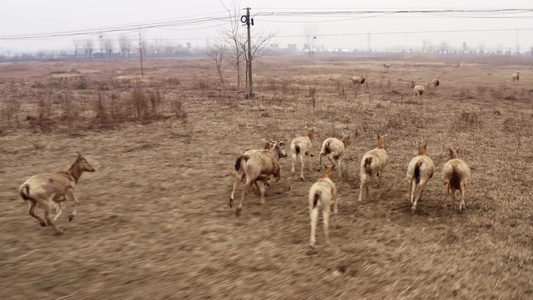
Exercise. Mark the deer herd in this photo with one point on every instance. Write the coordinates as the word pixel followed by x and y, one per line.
pixel 259 165
pixel 50 190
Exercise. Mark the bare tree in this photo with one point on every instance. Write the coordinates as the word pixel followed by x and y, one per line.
pixel 88 46
pixel 310 37
pixel 169 48
pixel 444 47
pixel 237 43
pixel 425 44
pixel 108 46
pixel 101 43
pixel 141 47
pixel 77 46
pixel 260 47
pixel 158 47
pixel 234 39
pixel 481 47
pixel 125 45
pixel 218 54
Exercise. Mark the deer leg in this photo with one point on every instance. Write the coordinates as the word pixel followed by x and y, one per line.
pixel 325 217
pixel 335 208
pixel 453 198
pixel 238 178
pixel 361 187
pixel 302 168
pixel 339 165
pixel 50 221
pixel 261 186
pixel 32 205
pixel 410 191
pixel 244 192
pixel 313 213
pixel 57 206
pixel 293 155
pixel 462 206
pixel 69 195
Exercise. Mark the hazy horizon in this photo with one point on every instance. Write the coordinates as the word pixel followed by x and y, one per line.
pixel 199 22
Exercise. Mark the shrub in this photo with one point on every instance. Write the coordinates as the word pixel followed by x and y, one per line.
pixel 177 108
pixel 465 121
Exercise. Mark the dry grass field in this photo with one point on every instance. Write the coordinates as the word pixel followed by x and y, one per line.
pixel 154 221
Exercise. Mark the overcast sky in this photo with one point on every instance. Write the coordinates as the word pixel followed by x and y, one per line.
pixel 377 31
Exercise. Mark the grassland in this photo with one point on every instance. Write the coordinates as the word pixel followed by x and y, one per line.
pixel 153 220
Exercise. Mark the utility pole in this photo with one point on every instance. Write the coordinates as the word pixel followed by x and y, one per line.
pixel 247 20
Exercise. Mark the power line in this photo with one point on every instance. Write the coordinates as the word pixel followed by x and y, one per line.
pixel 409 32
pixel 356 14
pixel 121 28
pixel 432 11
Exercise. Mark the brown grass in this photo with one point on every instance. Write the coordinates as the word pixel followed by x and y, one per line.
pixel 153 220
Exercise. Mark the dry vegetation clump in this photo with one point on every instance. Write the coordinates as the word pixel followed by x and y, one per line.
pixel 270 85
pixel 498 93
pixel 286 87
pixel 465 121
pixel 145 104
pixel 201 85
pixel 14 67
pixel 340 89
pixel 312 95
pixel 80 84
pixel 481 90
pixel 103 117
pixel 10 109
pixel 514 125
pixel 275 99
pixel 38 85
pixel 403 120
pixel 48 106
pixel 176 106
pixel 465 93
pixel 173 81
pixel 71 109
